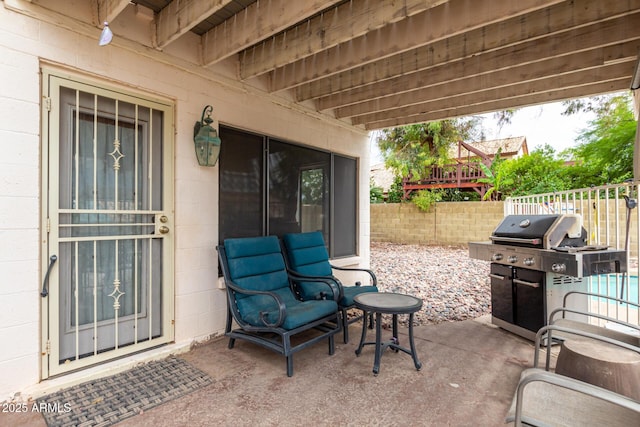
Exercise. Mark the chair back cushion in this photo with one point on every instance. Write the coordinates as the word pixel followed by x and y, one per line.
pixel 256 263
pixel 308 255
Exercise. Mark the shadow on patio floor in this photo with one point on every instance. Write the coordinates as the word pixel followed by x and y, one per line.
pixel 469 373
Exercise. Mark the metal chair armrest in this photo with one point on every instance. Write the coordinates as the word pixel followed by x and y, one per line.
pixel 282 308
pixel 595 294
pixel 564 310
pixel 571 384
pixel 547 330
pixel 374 279
pixel 332 281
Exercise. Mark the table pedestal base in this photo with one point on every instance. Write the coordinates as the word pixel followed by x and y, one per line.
pixel 393 343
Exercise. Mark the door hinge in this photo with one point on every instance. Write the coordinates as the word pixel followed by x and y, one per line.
pixel 47 348
pixel 47 103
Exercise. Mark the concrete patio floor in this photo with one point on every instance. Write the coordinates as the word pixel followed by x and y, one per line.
pixel 469 373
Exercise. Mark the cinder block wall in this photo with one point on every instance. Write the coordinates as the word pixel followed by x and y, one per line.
pixel 447 223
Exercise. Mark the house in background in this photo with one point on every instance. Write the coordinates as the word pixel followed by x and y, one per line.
pixel 109 222
pixel 465 172
pixel 509 148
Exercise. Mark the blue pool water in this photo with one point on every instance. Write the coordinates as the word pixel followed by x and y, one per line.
pixel 610 285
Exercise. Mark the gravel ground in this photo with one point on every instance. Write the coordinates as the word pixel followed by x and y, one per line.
pixel 451 285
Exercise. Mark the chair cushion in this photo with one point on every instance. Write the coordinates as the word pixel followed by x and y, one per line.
pixel 351 291
pixel 308 255
pixel 256 263
pixel 299 313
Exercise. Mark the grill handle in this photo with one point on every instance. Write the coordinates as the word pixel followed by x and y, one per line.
pixel 525 283
pixel 497 276
pixel 534 241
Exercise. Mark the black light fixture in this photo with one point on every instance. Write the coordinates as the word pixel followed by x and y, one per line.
pixel 206 139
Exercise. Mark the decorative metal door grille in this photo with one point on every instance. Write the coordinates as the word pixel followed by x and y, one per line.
pixel 109 226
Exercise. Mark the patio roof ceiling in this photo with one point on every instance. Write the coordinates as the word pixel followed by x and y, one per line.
pixel 379 64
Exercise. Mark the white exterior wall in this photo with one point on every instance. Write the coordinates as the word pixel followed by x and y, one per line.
pixel 26 43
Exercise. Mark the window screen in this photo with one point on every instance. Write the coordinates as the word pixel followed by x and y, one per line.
pixel 241 207
pixel 345 193
pixel 271 187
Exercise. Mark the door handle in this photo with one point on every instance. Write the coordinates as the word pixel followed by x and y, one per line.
pixel 45 283
pixel 526 283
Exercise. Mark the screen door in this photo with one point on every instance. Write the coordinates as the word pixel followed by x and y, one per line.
pixel 109 216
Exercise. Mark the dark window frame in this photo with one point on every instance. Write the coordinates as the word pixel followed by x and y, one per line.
pixel 338 245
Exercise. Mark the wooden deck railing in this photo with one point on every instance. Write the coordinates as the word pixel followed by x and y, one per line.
pixel 459 175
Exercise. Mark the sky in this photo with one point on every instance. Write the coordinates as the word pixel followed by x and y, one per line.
pixel 540 124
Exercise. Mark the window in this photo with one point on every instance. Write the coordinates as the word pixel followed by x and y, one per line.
pixel 271 187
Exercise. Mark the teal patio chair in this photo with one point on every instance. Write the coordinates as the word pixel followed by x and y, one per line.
pixel 307 257
pixel 262 303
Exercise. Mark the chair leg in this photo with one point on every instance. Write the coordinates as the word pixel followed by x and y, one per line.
pixel 232 342
pixel 345 325
pixel 290 365
pixel 332 345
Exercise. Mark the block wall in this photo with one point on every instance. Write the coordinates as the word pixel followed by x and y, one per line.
pixel 447 223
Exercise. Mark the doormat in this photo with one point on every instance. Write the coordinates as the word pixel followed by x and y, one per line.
pixel 106 401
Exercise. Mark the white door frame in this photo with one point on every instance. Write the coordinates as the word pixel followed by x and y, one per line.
pixel 159 229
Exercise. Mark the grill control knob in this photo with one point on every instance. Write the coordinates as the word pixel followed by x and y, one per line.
pixel 513 259
pixel 529 262
pixel 497 257
pixel 558 268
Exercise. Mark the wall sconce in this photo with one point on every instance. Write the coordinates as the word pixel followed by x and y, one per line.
pixel 206 139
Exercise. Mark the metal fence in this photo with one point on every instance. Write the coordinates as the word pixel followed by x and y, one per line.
pixel 610 218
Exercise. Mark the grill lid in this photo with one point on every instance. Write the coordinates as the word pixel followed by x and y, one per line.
pixel 525 226
pixel 540 231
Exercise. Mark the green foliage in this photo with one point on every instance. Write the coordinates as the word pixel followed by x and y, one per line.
pixel 376 195
pixel 605 154
pixel 395 191
pixel 493 178
pixel 456 195
pixel 532 174
pixel 424 199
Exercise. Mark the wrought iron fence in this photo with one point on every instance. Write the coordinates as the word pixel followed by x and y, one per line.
pixel 611 218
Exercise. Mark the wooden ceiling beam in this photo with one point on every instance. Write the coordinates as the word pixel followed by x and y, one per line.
pixel 604 73
pixel 562 94
pixel 180 16
pixel 540 25
pixel 500 79
pixel 582 39
pixel 258 21
pixel 108 10
pixel 524 95
pixel 355 18
pixel 453 17
pixel 439 23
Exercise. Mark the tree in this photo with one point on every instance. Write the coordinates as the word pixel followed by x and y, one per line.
pixel 533 174
pixel 605 152
pixel 412 150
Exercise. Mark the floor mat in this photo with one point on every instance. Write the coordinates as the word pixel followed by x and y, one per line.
pixel 106 401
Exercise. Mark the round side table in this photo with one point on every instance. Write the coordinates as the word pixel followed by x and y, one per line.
pixel 387 303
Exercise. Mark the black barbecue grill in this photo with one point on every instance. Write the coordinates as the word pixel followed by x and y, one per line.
pixel 535 261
